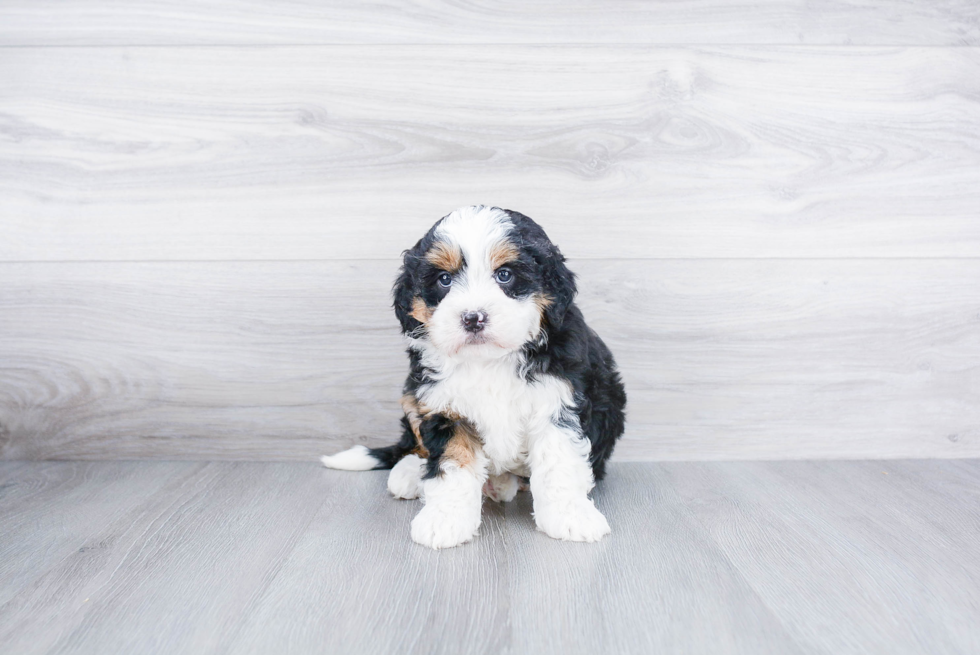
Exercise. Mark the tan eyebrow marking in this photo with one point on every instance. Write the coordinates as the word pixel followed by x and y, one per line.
pixel 446 256
pixel 503 252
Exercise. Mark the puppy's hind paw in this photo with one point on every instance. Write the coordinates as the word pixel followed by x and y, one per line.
pixel 405 479
pixel 501 488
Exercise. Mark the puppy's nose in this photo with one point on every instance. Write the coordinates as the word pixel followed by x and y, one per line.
pixel 474 321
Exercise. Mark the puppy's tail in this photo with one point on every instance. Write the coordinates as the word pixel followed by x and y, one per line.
pixel 360 458
pixel 357 458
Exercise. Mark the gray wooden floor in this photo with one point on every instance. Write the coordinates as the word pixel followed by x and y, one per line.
pixel 775 557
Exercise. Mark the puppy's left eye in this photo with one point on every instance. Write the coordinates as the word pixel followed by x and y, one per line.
pixel 503 276
pixel 445 280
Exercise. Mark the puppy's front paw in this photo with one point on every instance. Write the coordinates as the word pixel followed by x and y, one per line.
pixel 501 488
pixel 405 479
pixel 439 529
pixel 577 520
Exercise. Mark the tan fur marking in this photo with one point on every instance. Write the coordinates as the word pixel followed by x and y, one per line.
pixel 414 416
pixel 543 303
pixel 502 253
pixel 446 256
pixel 462 446
pixel 420 311
pixel 451 415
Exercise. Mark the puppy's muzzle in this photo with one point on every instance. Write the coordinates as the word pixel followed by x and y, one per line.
pixel 474 321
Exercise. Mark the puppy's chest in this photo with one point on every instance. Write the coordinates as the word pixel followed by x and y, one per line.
pixel 485 394
pixel 495 399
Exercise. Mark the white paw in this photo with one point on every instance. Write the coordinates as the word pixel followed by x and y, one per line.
pixel 501 488
pixel 437 529
pixel 578 520
pixel 405 479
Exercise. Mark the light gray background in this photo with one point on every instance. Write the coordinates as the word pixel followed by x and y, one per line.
pixel 774 211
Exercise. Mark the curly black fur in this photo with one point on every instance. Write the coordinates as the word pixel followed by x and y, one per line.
pixel 567 348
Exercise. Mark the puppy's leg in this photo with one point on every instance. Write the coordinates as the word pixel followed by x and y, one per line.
pixel 405 479
pixel 561 479
pixel 501 488
pixel 452 488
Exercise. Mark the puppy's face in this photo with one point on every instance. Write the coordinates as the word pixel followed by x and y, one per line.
pixel 482 283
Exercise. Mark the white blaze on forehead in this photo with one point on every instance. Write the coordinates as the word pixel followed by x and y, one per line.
pixel 476 230
pixel 479 232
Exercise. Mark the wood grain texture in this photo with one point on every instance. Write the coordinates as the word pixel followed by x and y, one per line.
pixel 50 510
pixel 725 359
pixel 807 557
pixel 438 602
pixel 173 569
pixel 183 22
pixel 658 585
pixel 215 153
pixel 839 564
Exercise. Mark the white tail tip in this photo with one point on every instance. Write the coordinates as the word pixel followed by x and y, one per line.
pixel 353 459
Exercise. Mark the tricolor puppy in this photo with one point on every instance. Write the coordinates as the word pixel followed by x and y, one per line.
pixel 506 380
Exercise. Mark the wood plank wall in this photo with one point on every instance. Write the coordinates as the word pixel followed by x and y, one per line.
pixel 774 210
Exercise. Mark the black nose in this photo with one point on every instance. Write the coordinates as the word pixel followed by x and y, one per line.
pixel 474 321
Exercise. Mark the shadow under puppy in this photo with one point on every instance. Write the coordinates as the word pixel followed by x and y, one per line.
pixel 506 380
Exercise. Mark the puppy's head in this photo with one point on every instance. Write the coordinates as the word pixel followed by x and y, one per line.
pixel 483 282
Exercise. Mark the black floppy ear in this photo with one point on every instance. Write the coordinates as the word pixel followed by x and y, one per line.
pixel 405 290
pixel 558 282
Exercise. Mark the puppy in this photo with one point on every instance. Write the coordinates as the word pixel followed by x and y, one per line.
pixel 505 380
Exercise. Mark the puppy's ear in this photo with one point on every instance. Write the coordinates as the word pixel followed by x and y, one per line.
pixel 558 282
pixel 405 290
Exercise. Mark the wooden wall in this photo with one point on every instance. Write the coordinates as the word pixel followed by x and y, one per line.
pixel 774 211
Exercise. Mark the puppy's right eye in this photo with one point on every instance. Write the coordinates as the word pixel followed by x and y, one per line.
pixel 445 280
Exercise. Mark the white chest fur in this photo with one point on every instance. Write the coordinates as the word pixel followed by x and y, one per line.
pixel 506 409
